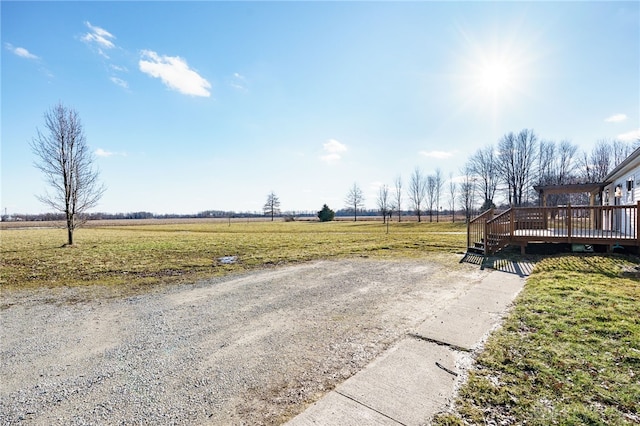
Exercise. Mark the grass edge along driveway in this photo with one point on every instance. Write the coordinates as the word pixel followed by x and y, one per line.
pixel 568 354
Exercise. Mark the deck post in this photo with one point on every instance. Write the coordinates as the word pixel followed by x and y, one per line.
pixel 486 232
pixel 512 223
pixel 637 230
pixel 569 224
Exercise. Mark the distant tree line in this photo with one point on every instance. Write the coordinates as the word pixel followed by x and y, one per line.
pixel 495 175
pixel 498 175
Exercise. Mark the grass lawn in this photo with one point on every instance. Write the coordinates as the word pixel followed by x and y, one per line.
pixel 568 354
pixel 134 257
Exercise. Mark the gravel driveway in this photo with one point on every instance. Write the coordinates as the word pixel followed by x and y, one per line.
pixel 247 349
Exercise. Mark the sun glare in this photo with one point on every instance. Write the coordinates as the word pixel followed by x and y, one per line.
pixel 495 78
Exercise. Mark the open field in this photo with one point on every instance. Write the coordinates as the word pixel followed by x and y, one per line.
pixel 132 256
pixel 568 354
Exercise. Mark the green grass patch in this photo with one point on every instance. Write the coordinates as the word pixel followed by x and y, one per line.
pixel 139 256
pixel 569 353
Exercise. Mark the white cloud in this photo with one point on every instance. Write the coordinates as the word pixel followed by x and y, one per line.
pixel 334 146
pixel 616 118
pixel 20 51
pixel 98 36
pixel 631 136
pixel 118 68
pixel 440 155
pixel 103 153
pixel 174 73
pixel 119 82
pixel 333 150
pixel 24 53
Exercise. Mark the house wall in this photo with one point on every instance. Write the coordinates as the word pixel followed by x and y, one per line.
pixel 623 221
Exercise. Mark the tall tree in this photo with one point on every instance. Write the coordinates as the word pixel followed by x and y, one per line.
pixel 557 166
pixel 597 164
pixel 67 164
pixel 516 159
pixel 430 197
pixel 417 191
pixel 383 201
pixel 355 200
pixel 546 155
pixel 398 196
pixel 484 166
pixel 620 150
pixel 566 164
pixel 467 191
pixel 453 188
pixel 438 189
pixel 272 206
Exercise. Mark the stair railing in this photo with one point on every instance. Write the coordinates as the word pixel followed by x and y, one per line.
pixel 499 231
pixel 476 229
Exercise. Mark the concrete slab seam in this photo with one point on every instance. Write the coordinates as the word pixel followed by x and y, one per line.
pixel 368 407
pixel 439 342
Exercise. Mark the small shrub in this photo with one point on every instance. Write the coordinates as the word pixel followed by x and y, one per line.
pixel 326 214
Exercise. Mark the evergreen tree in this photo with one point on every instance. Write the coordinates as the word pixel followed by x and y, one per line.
pixel 326 214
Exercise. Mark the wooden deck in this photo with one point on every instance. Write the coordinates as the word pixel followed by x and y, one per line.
pixel 604 225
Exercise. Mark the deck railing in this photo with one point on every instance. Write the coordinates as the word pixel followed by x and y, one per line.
pixel 577 221
pixel 476 230
pixel 499 231
pixel 588 224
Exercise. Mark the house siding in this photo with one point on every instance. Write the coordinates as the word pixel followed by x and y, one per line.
pixel 629 171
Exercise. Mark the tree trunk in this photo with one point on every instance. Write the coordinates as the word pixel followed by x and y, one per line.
pixel 69 234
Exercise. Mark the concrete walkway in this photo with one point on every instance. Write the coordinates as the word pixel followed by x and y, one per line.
pixel 417 378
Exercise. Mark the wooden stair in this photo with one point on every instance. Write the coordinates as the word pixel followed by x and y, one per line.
pixel 491 245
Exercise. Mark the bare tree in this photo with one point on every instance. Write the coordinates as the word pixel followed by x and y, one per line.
pixel 398 196
pixel 467 191
pixel 596 165
pixel 355 200
pixel 430 197
pixel 484 166
pixel 516 158
pixel 557 166
pixel 417 191
pixel 604 156
pixel 438 190
pixel 453 188
pixel 566 165
pixel 383 201
pixel 620 150
pixel 64 158
pixel 272 206
pixel 546 155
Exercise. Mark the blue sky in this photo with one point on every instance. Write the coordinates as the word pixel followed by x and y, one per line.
pixel 191 106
